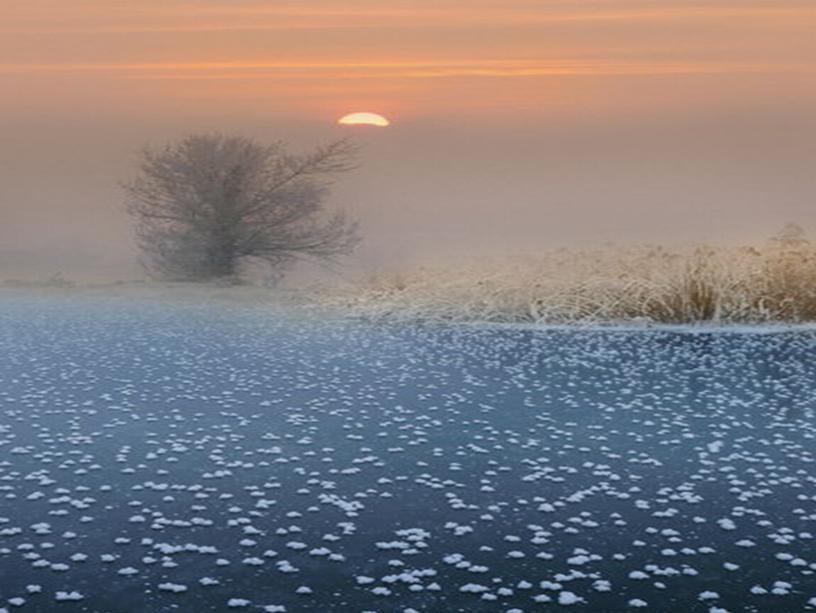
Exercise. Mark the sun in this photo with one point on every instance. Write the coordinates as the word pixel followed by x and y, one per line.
pixel 364 119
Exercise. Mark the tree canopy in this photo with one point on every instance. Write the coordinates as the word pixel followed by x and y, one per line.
pixel 207 203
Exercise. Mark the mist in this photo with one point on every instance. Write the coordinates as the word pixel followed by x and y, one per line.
pixel 434 187
pixel 515 126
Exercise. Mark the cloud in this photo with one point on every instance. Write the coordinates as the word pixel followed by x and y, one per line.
pixel 151 16
pixel 404 69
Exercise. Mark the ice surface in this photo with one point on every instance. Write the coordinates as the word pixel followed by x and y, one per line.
pixel 157 457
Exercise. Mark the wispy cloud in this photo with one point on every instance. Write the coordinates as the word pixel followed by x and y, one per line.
pixel 172 17
pixel 389 69
pixel 404 52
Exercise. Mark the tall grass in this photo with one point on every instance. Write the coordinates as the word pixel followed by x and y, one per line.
pixel 776 283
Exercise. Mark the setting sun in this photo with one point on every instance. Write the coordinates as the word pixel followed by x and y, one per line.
pixel 364 119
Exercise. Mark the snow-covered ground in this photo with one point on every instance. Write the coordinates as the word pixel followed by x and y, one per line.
pixel 159 456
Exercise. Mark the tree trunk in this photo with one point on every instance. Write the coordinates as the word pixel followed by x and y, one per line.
pixel 222 258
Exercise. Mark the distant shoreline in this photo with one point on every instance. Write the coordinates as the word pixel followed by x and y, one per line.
pixel 317 302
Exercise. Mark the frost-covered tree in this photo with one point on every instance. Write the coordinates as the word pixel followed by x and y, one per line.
pixel 207 203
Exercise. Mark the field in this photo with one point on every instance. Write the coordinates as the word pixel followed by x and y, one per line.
pixel 647 284
pixel 177 455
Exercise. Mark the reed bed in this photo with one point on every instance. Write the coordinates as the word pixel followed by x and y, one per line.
pixel 776 283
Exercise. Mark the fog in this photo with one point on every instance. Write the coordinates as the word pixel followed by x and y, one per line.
pixel 435 187
pixel 516 126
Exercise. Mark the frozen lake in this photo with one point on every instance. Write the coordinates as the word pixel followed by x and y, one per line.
pixel 188 458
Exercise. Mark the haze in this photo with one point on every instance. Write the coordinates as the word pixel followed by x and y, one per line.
pixel 517 124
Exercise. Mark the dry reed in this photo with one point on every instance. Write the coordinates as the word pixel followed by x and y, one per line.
pixel 702 284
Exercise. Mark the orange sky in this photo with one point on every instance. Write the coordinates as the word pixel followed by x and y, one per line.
pixel 414 58
pixel 515 122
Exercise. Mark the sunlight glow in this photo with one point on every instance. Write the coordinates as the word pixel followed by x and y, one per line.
pixel 364 119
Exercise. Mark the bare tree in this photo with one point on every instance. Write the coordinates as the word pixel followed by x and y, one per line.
pixel 207 203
